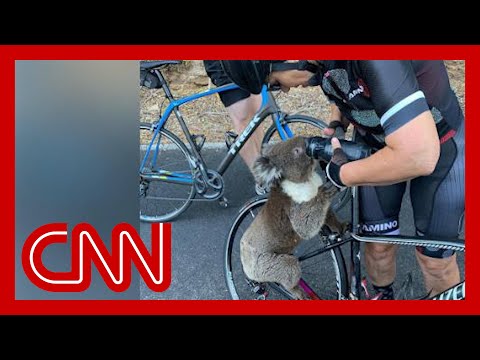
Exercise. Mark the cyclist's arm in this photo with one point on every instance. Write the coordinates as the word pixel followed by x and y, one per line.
pixel 412 145
pixel 410 151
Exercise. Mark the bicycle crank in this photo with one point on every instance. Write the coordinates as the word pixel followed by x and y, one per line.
pixel 214 185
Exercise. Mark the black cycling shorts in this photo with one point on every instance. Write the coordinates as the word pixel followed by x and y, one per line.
pixel 438 200
pixel 217 75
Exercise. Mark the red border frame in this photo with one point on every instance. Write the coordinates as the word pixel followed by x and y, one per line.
pixel 8 304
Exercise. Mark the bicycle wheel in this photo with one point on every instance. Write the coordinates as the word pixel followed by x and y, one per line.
pixel 325 272
pixel 166 185
pixel 302 125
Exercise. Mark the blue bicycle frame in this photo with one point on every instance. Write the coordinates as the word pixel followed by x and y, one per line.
pixel 268 107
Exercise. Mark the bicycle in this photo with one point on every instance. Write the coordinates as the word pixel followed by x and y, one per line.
pixel 173 172
pixel 324 269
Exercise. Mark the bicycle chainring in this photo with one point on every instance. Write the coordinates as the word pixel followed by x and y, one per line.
pixel 214 188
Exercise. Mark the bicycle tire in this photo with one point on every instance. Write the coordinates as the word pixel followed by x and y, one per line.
pixel 335 286
pixel 175 198
pixel 317 124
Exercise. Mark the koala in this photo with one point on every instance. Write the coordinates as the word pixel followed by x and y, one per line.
pixel 296 209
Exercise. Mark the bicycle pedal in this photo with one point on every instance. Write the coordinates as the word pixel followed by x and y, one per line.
pixel 260 291
pixel 230 138
pixel 143 189
pixel 199 141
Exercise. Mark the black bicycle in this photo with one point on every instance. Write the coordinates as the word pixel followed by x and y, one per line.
pixel 325 274
pixel 173 172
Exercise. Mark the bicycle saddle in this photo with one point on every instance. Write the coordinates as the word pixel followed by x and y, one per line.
pixel 148 65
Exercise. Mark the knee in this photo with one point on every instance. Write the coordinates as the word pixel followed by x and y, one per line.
pixel 380 252
pixel 244 110
pixel 438 268
pixel 240 120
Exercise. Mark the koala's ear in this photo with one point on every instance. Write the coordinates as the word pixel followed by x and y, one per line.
pixel 266 148
pixel 265 173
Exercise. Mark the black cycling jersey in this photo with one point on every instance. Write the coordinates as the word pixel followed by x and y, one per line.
pixel 380 96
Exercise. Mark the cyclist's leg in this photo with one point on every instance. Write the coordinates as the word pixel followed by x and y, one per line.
pixel 439 203
pixel 241 106
pixel 379 210
pixel 379 215
pixel 241 112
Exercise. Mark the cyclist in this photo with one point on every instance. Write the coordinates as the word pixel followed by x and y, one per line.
pixel 241 106
pixel 408 111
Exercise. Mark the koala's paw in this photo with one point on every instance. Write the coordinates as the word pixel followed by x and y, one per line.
pixel 299 294
pixel 329 190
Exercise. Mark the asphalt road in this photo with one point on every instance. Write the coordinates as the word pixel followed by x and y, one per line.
pixel 198 238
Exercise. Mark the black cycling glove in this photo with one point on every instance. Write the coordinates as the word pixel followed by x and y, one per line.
pixel 339 158
pixel 338 128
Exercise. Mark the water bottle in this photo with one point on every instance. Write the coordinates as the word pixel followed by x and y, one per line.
pixel 321 148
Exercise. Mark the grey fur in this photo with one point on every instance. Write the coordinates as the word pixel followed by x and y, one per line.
pixel 267 246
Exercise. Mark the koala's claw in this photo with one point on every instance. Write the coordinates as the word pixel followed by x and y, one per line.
pixel 329 189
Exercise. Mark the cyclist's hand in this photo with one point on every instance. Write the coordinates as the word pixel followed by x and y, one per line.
pixel 336 128
pixel 338 160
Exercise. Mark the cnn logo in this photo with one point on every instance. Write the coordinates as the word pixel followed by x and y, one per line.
pixel 88 248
